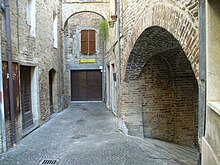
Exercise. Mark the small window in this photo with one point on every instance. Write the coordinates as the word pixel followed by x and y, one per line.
pixel 88 42
pixel 31 14
pixel 55 31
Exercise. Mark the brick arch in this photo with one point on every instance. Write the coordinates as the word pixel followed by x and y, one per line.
pixel 65 23
pixel 167 21
pixel 69 12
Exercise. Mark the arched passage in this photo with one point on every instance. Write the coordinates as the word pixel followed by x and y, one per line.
pixel 81 12
pixel 83 57
pixel 162 80
pixel 70 9
pixel 52 89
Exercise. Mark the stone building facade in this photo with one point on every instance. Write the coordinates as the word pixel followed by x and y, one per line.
pixel 83 71
pixel 150 72
pixel 37 63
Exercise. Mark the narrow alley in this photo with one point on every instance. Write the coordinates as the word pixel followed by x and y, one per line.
pixel 88 134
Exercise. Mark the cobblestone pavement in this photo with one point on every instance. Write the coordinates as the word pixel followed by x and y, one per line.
pixel 87 134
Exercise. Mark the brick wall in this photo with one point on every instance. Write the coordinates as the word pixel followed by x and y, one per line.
pixel 170 96
pixel 178 18
pixel 160 37
pixel 158 114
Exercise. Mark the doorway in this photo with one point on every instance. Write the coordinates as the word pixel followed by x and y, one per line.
pixel 27 116
pixel 86 85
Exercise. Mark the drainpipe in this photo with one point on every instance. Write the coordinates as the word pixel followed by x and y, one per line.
pixel 202 76
pixel 9 51
pixel 17 10
pixel 119 51
pixel 103 70
pixel 2 112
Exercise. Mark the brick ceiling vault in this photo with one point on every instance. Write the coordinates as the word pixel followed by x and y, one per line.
pixel 155 41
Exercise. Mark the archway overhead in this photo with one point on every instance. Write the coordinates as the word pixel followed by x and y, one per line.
pixel 66 22
pixel 154 40
pixel 160 74
pixel 71 9
pixel 52 70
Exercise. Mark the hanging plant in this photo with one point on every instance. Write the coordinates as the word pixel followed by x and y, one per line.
pixel 104 29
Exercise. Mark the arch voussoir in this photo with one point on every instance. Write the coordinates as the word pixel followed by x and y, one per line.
pixel 180 25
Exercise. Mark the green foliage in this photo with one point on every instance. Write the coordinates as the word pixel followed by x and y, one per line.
pixel 104 30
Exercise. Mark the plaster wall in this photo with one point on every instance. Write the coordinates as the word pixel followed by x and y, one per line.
pixel 213 51
pixel 211 142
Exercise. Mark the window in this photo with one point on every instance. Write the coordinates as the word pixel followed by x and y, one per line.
pixel 55 32
pixel 88 42
pixel 31 20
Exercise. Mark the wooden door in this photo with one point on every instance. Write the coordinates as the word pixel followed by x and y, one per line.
pixel 51 90
pixel 15 78
pixel 27 117
pixel 86 85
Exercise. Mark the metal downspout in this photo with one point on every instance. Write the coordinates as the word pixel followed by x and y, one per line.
pixel 18 37
pixel 11 94
pixel 119 51
pixel 202 75
pixel 103 70
pixel 2 112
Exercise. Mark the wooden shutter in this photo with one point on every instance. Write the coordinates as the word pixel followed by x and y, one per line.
pixel 88 41
pixel 92 42
pixel 84 41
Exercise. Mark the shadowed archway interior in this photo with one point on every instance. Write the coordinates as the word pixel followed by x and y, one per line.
pixel 167 86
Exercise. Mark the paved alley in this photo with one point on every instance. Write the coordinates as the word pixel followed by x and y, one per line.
pixel 87 134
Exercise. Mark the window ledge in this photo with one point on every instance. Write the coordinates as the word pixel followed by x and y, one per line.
pixel 215 106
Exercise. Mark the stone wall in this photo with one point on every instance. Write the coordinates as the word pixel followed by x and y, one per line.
pixel 38 52
pixel 71 8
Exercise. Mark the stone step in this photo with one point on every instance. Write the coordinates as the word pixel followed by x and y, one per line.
pixel 182 152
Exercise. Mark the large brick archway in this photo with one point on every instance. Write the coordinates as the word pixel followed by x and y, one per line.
pixel 182 25
pixel 71 9
pixel 159 90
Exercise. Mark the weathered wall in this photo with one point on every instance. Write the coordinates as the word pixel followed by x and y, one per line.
pixel 38 52
pixel 158 114
pixel 211 140
pixel 73 7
